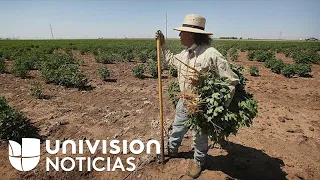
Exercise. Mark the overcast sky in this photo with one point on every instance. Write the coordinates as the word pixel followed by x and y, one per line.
pixel 28 19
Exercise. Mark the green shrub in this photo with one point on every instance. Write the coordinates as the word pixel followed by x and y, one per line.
pixel 80 62
pixel 20 69
pixel 153 68
pixel 14 125
pixel 49 50
pixel 233 53
pixel 254 71
pixel 138 71
pixel 143 57
pixel 173 71
pixel 104 73
pixel 251 55
pixel 277 66
pixel 106 58
pixel 95 52
pixel 288 70
pixel 302 70
pixel 126 53
pixel 11 55
pixel 25 62
pixel 269 62
pixel 152 55
pixel 31 62
pixel 55 60
pixel 36 89
pixel 287 52
pixel 164 64
pixel 2 66
pixel 262 56
pixel 173 91
pixel 70 76
pixel 82 51
pixel 223 52
pixel 128 57
pixel 61 70
pixel 306 58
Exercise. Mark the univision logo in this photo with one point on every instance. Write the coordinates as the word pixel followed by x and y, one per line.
pixel 26 156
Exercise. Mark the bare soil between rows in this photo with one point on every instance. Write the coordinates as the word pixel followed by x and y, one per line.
pixel 282 143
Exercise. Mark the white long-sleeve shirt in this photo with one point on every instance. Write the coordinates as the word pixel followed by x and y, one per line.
pixel 200 57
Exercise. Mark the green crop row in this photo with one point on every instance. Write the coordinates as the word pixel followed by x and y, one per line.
pixel 34 54
pixel 288 70
pixel 128 48
pixel 260 55
pixel 301 67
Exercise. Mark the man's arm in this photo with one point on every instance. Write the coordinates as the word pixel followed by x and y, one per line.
pixel 169 57
pixel 226 72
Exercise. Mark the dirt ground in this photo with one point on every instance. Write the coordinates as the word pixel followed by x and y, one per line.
pixel 282 143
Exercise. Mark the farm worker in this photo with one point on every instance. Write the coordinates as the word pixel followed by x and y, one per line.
pixel 197 55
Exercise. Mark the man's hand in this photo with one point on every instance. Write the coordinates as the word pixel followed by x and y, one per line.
pixel 160 35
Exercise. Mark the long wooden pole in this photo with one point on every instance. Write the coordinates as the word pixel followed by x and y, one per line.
pixel 160 99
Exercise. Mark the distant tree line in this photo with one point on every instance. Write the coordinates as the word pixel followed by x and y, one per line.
pixel 229 38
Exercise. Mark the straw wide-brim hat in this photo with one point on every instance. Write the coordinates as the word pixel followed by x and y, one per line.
pixel 193 23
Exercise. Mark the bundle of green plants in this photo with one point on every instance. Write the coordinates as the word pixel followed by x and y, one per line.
pixel 208 108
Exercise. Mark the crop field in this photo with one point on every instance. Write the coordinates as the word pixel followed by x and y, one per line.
pixel 108 89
